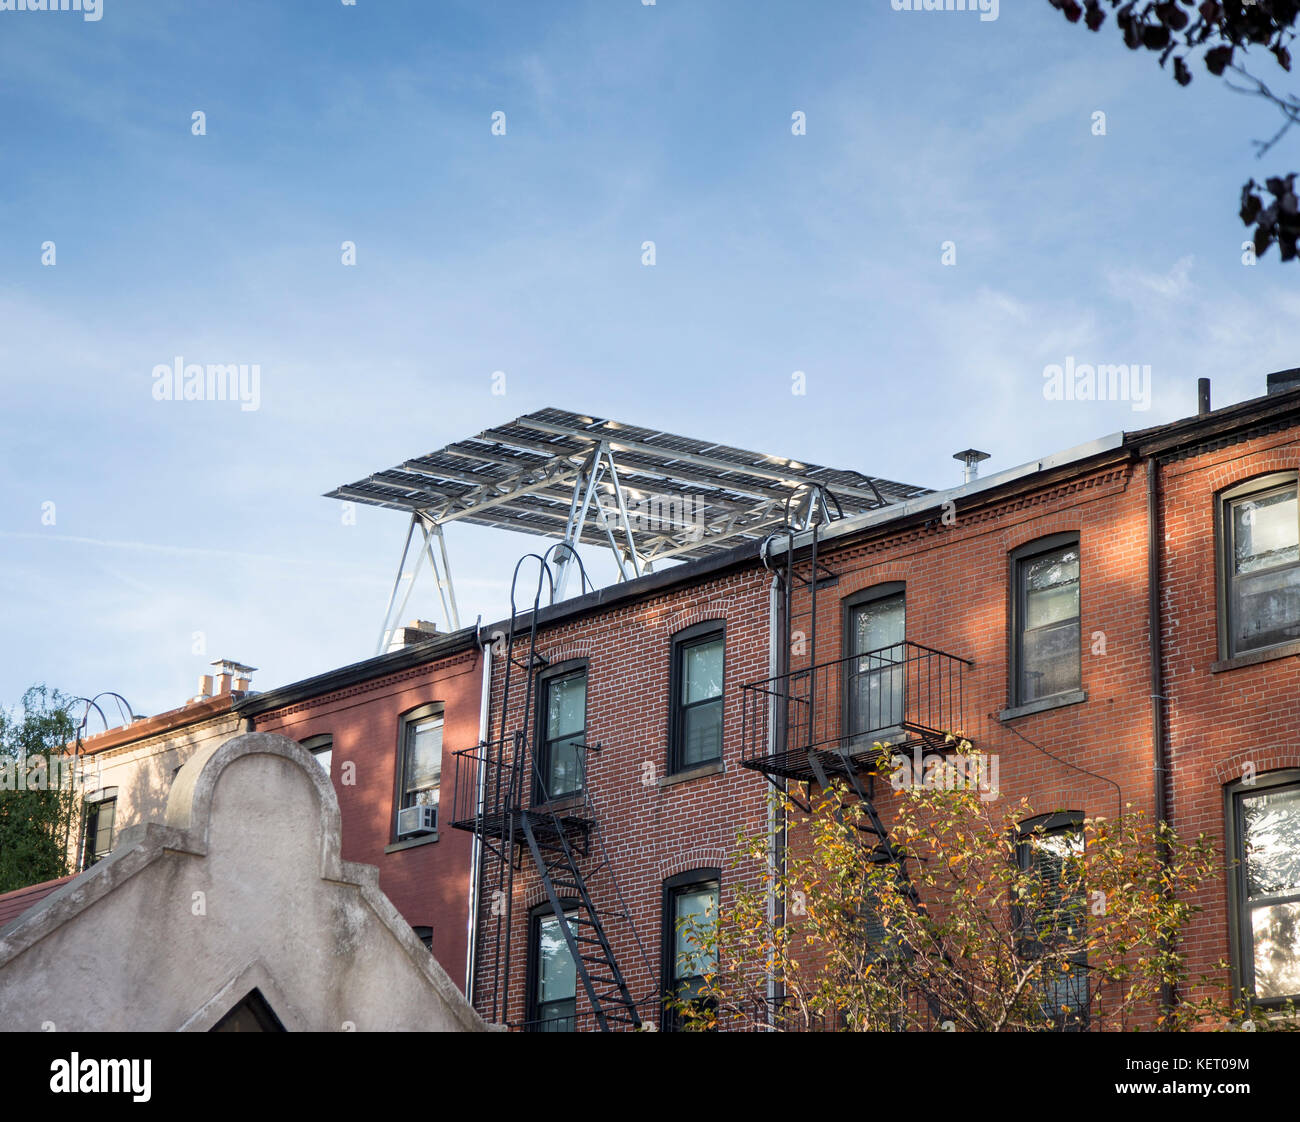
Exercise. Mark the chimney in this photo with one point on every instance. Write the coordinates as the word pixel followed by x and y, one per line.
pixel 1284 381
pixel 972 458
pixel 1203 396
pixel 232 674
pixel 417 631
pixel 205 687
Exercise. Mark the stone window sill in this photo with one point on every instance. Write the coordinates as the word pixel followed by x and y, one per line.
pixel 411 843
pixel 714 768
pixel 1042 705
pixel 1254 658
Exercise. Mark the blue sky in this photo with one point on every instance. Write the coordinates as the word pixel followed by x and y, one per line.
pixel 522 253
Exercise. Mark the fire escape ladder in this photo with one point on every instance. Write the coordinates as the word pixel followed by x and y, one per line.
pixel 501 795
pixel 884 850
pixel 581 926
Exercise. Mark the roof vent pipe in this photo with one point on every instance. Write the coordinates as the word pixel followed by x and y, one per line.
pixel 1202 396
pixel 972 458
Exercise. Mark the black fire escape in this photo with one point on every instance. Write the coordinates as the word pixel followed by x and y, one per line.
pixel 501 797
pixel 840 719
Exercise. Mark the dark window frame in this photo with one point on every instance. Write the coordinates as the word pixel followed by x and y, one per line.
pixel 682 641
pixel 532 977
pixel 673 887
pixel 1051 543
pixel 1255 487
pixel 91 808
pixel 848 608
pixel 404 721
pixel 1240 937
pixel 315 744
pixel 1045 825
pixel 541 750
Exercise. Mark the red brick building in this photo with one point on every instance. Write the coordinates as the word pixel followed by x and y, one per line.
pixel 1017 609
pixel 680 829
pixel 1230 635
pixel 651 814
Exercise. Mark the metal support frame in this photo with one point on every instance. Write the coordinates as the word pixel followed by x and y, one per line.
pixel 408 569
pixel 577 478
pixel 586 493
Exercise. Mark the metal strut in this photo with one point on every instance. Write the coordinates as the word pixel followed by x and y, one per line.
pixel 408 569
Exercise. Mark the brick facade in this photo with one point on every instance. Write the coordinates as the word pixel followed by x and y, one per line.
pixel 651 827
pixel 1227 722
pixel 1096 755
pixel 1091 756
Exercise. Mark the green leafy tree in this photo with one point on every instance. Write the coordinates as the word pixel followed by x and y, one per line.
pixel 38 808
pixel 997 926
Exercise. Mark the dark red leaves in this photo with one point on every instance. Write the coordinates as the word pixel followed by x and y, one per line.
pixel 1217 59
pixel 1279 221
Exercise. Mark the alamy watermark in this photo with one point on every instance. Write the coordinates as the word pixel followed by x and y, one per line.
pixel 1104 382
pixel 113 1077
pixel 92 11
pixel 668 514
pixel 988 9
pixel 38 772
pixel 192 381
pixel 975 771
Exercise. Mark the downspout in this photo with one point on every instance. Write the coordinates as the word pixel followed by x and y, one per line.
pixel 1159 737
pixel 776 626
pixel 476 859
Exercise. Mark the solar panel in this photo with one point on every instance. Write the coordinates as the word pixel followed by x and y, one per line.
pixel 682 498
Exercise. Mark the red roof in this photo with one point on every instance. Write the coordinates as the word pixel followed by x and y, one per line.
pixel 13 904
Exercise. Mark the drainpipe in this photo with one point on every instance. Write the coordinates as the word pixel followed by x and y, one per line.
pixel 1160 772
pixel 476 860
pixel 776 641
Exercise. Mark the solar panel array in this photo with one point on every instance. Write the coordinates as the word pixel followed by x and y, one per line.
pixel 520 476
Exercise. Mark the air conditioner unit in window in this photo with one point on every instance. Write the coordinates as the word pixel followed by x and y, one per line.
pixel 413 820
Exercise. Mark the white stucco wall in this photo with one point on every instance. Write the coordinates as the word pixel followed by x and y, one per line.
pixel 240 887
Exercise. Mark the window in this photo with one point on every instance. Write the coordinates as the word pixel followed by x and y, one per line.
pixel 690 905
pixel 1259 562
pixel 553 982
pixel 322 748
pixel 1051 916
pixel 875 629
pixel 1264 830
pixel 561 737
pixel 101 813
pixel 1045 619
pixel 425 935
pixel 420 762
pixel 695 735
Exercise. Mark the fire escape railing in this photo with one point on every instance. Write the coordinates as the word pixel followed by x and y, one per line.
pixel 900 696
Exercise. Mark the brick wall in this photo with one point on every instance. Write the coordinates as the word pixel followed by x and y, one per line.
pixel 1091 757
pixel 650 831
pixel 1219 723
pixel 1095 756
